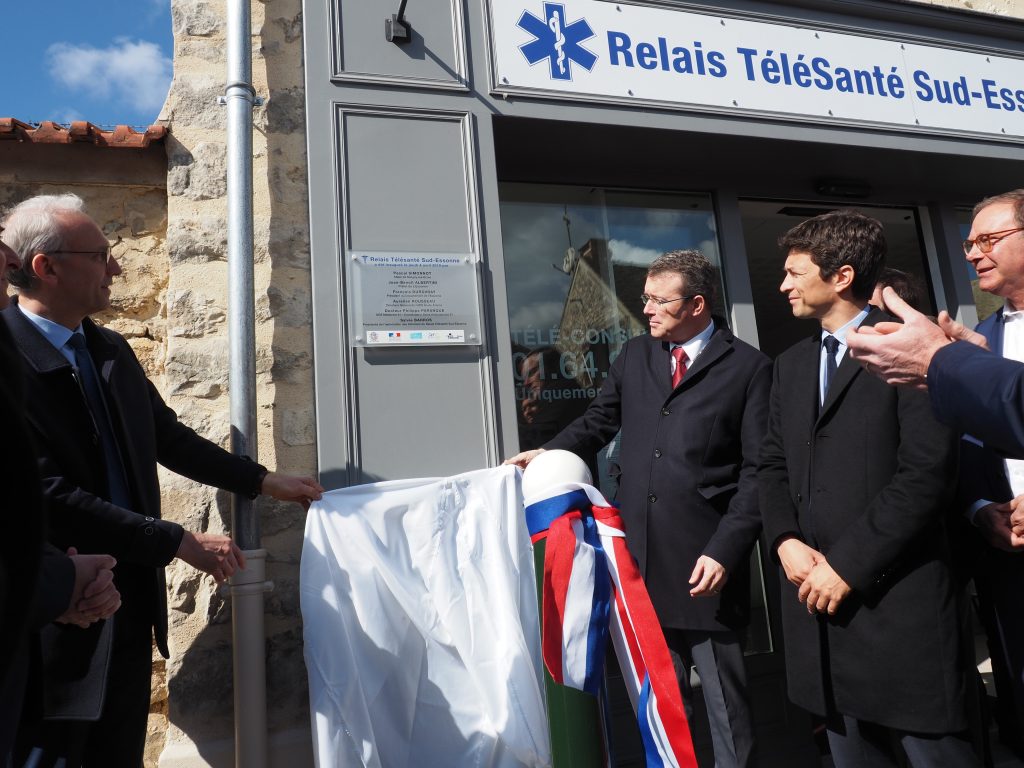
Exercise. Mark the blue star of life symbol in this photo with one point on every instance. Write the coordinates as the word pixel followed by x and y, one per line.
pixel 557 41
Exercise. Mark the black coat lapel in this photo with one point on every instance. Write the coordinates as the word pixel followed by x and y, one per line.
pixel 719 343
pixel 37 351
pixel 849 368
pixel 805 388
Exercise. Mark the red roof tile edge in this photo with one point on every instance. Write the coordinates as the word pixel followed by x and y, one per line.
pixel 79 131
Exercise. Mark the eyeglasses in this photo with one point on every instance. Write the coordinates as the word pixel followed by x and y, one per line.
pixel 987 241
pixel 662 302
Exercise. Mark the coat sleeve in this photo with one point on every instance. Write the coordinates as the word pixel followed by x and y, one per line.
pixel 83 520
pixel 740 525
pixel 914 500
pixel 56 584
pixel 595 428
pixel 182 450
pixel 980 393
pixel 778 513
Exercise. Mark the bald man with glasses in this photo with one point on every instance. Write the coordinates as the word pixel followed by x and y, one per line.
pixel 691 401
pixel 100 428
pixel 982 395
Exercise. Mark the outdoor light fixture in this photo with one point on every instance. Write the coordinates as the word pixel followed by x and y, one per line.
pixel 396 29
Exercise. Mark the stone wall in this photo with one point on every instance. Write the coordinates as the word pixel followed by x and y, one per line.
pixel 135 213
pixel 200 716
pixel 997 7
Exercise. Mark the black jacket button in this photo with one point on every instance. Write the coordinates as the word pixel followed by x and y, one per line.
pixel 652 498
pixel 665 411
pixel 657 453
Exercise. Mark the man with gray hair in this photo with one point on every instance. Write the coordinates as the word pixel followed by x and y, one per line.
pixel 38 583
pixel 100 429
pixel 691 401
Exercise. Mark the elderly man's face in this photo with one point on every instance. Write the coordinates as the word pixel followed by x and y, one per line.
pixel 1001 270
pixel 9 261
pixel 84 267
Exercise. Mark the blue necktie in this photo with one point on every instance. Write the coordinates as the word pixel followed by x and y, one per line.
pixel 831 345
pixel 117 487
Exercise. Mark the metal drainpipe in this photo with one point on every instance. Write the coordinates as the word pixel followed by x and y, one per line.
pixel 247 587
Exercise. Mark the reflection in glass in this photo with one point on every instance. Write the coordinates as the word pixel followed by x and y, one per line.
pixel 576 259
pixel 576 262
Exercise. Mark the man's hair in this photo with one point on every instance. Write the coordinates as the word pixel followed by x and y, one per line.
pixel 906 285
pixel 693 266
pixel 1014 197
pixel 842 237
pixel 34 226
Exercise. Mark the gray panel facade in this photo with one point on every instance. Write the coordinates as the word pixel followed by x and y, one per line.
pixel 401 158
pixel 434 56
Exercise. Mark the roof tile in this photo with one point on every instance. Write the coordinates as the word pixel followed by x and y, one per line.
pixel 80 131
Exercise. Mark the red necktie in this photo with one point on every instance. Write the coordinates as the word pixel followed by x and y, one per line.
pixel 679 354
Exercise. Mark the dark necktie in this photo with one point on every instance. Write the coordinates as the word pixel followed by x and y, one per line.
pixel 831 345
pixel 116 484
pixel 679 355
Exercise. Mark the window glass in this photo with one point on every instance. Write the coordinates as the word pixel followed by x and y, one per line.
pixel 575 265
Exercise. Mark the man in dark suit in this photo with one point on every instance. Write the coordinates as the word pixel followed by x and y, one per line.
pixel 38 583
pixel 989 481
pixel 855 481
pixel 100 428
pixel 691 401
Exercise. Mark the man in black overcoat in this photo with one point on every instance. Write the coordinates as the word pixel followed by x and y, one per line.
pixel 100 428
pixel 691 430
pixel 856 479
pixel 38 583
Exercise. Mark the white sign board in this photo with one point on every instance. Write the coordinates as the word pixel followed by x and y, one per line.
pixel 623 53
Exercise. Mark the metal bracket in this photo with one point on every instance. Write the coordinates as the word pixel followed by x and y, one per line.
pixel 257 101
pixel 396 29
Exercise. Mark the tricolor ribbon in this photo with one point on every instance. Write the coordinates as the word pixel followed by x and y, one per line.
pixel 593 590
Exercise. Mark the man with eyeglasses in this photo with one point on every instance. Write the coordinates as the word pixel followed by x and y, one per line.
pixel 971 389
pixel 691 401
pixel 992 486
pixel 38 583
pixel 100 428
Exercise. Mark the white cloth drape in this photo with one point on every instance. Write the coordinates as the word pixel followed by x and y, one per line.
pixel 421 625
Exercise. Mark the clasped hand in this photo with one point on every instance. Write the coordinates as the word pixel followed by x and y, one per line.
pixel 94 595
pixel 820 587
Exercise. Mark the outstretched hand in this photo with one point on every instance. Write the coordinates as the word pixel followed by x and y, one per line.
pixel 212 553
pixel 900 353
pixel 521 460
pixel 301 490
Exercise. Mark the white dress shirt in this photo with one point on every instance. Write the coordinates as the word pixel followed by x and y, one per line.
pixel 840 336
pixel 1013 349
pixel 692 348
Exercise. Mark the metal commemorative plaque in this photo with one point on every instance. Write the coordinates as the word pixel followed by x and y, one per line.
pixel 414 299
